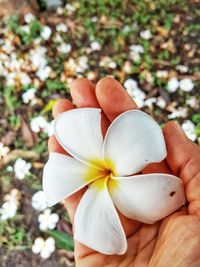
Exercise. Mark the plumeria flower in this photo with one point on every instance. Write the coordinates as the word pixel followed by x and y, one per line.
pixel 8 210
pixel 110 167
pixel 186 85
pixel 39 201
pixel 172 85
pixel 21 168
pixel 189 129
pixel 28 95
pixel 64 48
pixel 162 74
pixel 146 34
pixel 180 112
pixel 44 247
pixel 61 27
pixel 47 220
pixel 38 123
pixel 4 150
pixel 135 92
pixel 14 196
pixel 46 33
pixel 182 68
pixel 43 73
pixel 29 17
pixel 95 46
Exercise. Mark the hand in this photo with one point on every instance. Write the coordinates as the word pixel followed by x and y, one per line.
pixel 173 242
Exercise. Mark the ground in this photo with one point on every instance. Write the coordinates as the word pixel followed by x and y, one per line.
pixel 146 45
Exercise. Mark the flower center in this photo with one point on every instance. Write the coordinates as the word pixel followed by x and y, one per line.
pixel 103 171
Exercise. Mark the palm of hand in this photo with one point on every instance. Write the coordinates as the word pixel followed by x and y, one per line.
pixel 176 240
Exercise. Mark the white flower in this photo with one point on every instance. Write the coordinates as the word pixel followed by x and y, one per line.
pixel 37 57
pixel 43 73
pixel 29 17
pixel 44 247
pixel 25 28
pixel 3 150
pixel 21 168
pixel 38 123
pixel 133 141
pixel 162 73
pixel 28 95
pixel 146 34
pixel 49 128
pixel 135 51
pixel 189 129
pixel 127 67
pixel 135 92
pixel 47 220
pixel 70 8
pixel 61 27
pixel 39 201
pixel 82 64
pixel 182 68
pixel 14 196
pixel 24 78
pixel 150 101
pixel 181 112
pixel 186 85
pixel 172 85
pixel 137 48
pixel 95 46
pixel 161 103
pixel 64 48
pixel 108 63
pixel 8 210
pixel 193 102
pixel 46 33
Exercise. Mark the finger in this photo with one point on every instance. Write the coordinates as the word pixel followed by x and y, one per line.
pixel 83 95
pixel 112 98
pixel 60 106
pixel 183 158
pixel 54 146
pixel 109 90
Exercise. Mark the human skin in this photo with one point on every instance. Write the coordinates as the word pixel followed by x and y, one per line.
pixel 172 242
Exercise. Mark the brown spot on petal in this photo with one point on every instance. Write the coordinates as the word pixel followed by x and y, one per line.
pixel 172 193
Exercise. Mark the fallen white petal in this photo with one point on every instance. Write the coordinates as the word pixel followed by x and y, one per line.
pixel 79 132
pixel 147 198
pixel 64 175
pixel 133 141
pixel 97 224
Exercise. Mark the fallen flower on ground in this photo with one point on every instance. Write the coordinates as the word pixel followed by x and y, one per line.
pixel 186 85
pixel 189 129
pixel 44 247
pixel 110 168
pixel 8 210
pixel 39 201
pixel 47 220
pixel 21 168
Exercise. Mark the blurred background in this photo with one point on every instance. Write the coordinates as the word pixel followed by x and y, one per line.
pixel 151 47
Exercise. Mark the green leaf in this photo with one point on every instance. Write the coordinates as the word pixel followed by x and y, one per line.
pixel 63 240
pixel 48 107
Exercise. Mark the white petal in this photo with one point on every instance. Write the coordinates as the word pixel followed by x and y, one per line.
pixel 147 198
pixel 97 223
pixel 64 175
pixel 133 141
pixel 79 132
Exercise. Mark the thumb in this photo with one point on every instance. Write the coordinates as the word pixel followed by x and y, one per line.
pixel 184 160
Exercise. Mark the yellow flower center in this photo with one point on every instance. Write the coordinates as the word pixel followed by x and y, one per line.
pixel 101 172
